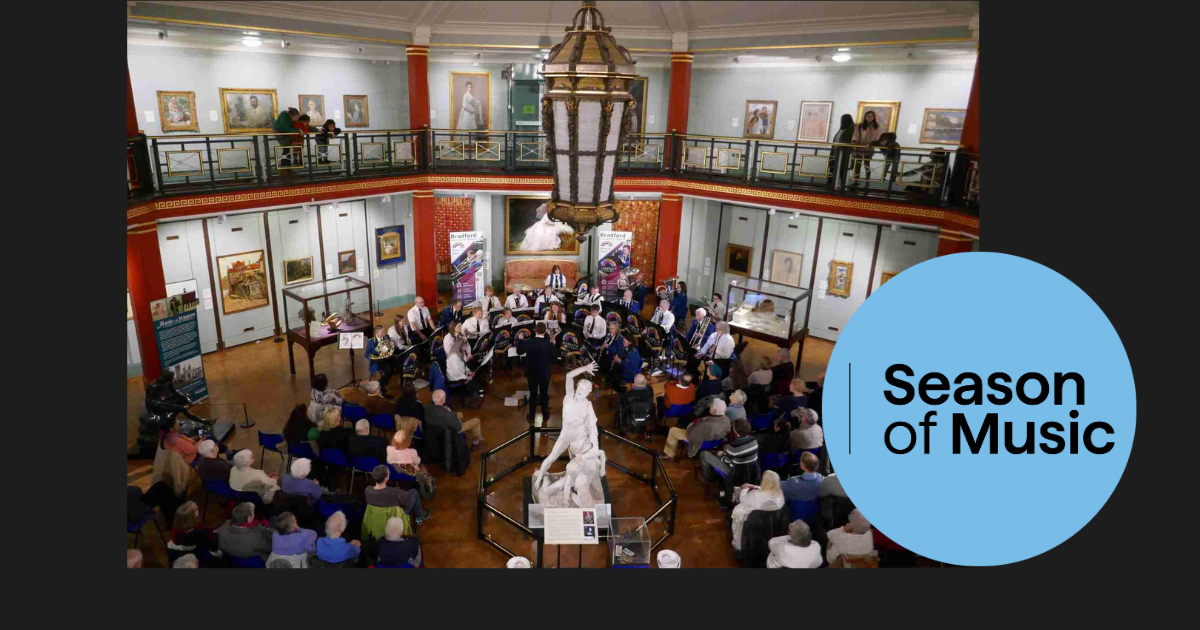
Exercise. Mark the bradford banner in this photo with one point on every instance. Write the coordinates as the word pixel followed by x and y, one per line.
pixel 177 334
pixel 466 256
pixel 614 258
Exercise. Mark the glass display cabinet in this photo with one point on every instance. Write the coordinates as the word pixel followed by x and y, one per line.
pixel 769 312
pixel 325 309
pixel 629 543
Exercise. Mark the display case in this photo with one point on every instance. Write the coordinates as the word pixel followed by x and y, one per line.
pixel 629 543
pixel 767 311
pixel 326 309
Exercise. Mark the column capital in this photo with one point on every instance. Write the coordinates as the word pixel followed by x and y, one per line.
pixel 679 42
pixel 421 35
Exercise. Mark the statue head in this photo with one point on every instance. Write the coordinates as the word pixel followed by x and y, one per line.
pixel 582 389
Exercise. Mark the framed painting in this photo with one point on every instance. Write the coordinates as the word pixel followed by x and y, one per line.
pixel 887 113
pixel 249 110
pixel 887 275
pixel 470 101
pixel 177 111
pixel 814 120
pixel 357 113
pixel 529 230
pixel 243 280
pixel 298 270
pixel 639 89
pixel 785 267
pixel 314 106
pixel 841 274
pixel 389 245
pixel 347 261
pixel 760 119
pixel 942 126
pixel 737 259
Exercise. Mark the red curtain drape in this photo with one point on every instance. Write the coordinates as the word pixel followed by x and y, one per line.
pixel 450 214
pixel 641 218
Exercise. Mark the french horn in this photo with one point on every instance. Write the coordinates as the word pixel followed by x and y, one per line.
pixel 384 348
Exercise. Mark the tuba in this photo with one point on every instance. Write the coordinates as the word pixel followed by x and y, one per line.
pixel 384 348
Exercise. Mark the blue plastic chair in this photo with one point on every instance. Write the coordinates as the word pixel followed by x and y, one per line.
pixel 303 450
pixel 363 464
pixel 709 445
pixel 136 529
pixel 328 509
pixel 219 488
pixel 773 461
pixel 383 422
pixel 253 562
pixel 352 413
pixel 760 421
pixel 335 457
pixel 270 442
pixel 804 510
pixel 392 566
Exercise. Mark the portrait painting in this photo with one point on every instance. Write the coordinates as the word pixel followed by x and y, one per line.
pixel 314 106
pixel 814 120
pixel 297 270
pixel 529 230
pixel 389 245
pixel 887 275
pixel 639 89
pixel 177 111
pixel 357 114
pixel 760 119
pixel 243 281
pixel 841 274
pixel 942 126
pixel 785 267
pixel 887 113
pixel 737 259
pixel 470 101
pixel 347 261
pixel 249 110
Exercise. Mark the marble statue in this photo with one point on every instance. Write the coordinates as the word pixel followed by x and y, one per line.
pixel 580 485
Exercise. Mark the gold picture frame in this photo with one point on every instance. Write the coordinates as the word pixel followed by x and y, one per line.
pixel 362 119
pixel 787 267
pixel 752 126
pixel 297 270
pixel 180 117
pixel 887 275
pixel 317 114
pixel 243 281
pixel 840 283
pixel 815 120
pixel 460 79
pixel 738 258
pixel 641 97
pixel 524 207
pixel 947 129
pixel 891 120
pixel 236 114
pixel 348 261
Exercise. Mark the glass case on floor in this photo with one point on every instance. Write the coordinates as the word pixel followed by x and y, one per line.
pixel 768 311
pixel 629 543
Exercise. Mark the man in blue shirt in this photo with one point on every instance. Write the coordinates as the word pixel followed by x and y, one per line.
pixel 804 488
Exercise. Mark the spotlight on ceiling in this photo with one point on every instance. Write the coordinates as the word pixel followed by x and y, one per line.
pixel 841 57
pixel 252 42
pixel 250 33
pixel 283 43
pixel 843 50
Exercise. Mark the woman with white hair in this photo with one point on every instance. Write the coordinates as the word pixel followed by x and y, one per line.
pixel 299 483
pixel 736 409
pixel 794 551
pixel 211 467
pixel 331 547
pixel 395 549
pixel 748 497
pixel 245 478
pixel 809 435
pixel 852 539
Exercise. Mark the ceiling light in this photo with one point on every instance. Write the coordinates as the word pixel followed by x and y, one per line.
pixel 841 57
pixel 843 50
pixel 252 42
pixel 545 51
pixel 250 33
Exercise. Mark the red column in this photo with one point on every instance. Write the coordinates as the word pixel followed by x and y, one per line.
pixel 970 135
pixel 423 255
pixel 670 215
pixel 681 92
pixel 144 273
pixel 951 244
pixel 418 86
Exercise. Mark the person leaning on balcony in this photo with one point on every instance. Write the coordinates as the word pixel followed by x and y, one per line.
pixel 865 133
pixel 840 156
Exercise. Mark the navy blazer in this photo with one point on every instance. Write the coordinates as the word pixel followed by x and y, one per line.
pixel 370 348
pixel 446 316
pixel 679 305
pixel 631 364
pixel 539 356
pixel 639 293
pixel 692 330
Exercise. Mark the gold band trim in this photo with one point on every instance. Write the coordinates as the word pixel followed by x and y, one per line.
pixel 285 31
pixel 902 42
pixel 145 231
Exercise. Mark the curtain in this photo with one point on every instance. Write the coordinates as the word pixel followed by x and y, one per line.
pixel 641 218
pixel 450 214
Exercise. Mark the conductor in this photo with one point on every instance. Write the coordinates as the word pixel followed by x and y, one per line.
pixel 539 356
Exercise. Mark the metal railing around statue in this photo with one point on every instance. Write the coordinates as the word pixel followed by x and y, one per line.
pixel 656 477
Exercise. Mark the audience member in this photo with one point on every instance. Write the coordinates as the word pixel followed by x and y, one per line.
pixel 439 417
pixel 794 551
pixel 289 539
pixel 853 538
pixel 407 404
pixel 188 535
pixel 172 440
pixel 321 398
pixel 676 397
pixel 298 482
pixel 764 374
pixel 368 395
pixel 395 549
pixel 296 429
pixel 712 428
pixel 245 478
pixel 736 409
pixel 777 439
pixel 783 372
pixel 331 547
pixel 807 485
pixel 736 378
pixel 383 496
pixel 212 467
pixel 363 444
pixel 710 386
pixel 809 435
pixel 795 399
pixel 242 536
pixel 331 433
pixel 400 451
pixel 638 401
pixel 749 497
pixel 742 450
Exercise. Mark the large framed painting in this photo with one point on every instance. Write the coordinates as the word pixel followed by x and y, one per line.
pixel 357 113
pixel 314 106
pixel 785 267
pixel 814 120
pixel 249 110
pixel 887 113
pixel 760 119
pixel 737 259
pixel 841 274
pixel 887 275
pixel 639 89
pixel 243 281
pixel 942 126
pixel 389 245
pixel 177 111
pixel 347 261
pixel 298 270
pixel 470 101
pixel 529 230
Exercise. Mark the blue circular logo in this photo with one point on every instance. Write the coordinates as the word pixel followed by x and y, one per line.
pixel 979 409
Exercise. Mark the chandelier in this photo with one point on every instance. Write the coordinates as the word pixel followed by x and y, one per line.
pixel 587 113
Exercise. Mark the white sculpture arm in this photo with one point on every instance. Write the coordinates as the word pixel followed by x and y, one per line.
pixel 589 368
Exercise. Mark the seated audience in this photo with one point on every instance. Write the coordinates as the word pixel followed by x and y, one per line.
pixel 289 539
pixel 783 373
pixel 212 467
pixel 242 536
pixel 710 386
pixel 368 395
pixel 796 398
pixel 677 397
pixel 831 486
pixel 400 452
pixel 380 495
pixel 172 440
pixel 331 547
pixel 439 417
pixel 638 400
pixel 363 444
pixel 794 551
pixel 298 482
pixel 322 398
pixel 736 409
pixel 245 478
pixel 749 497
pixel 296 429
pixel 331 433
pixel 807 485
pixel 188 561
pixel 188 535
pixel 815 392
pixel 809 435
pixel 736 379
pixel 407 404
pixel 777 439
pixel 395 549
pixel 742 450
pixel 853 538
pixel 764 374
pixel 711 428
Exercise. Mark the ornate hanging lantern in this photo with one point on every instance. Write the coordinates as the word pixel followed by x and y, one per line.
pixel 587 113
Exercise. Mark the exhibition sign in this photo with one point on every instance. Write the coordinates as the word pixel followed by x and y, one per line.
pixel 177 335
pixel 614 259
pixel 466 256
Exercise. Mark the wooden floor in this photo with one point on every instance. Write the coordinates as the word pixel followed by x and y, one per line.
pixel 257 374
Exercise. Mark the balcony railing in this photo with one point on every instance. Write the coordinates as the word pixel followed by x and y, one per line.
pixel 192 164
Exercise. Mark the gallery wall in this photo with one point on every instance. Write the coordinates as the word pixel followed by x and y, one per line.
pixel 153 68
pixel 184 257
pixel 719 95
